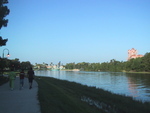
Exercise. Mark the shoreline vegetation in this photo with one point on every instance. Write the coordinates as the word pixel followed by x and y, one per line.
pixel 134 65
pixel 109 71
pixel 61 96
pixel 138 72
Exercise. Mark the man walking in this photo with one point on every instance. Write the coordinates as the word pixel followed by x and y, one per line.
pixel 30 77
pixel 21 75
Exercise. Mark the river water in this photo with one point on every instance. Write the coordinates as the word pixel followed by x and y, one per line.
pixel 134 85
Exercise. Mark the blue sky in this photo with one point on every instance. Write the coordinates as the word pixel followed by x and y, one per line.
pixel 76 30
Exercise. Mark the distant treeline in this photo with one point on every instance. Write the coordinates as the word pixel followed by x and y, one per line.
pixel 135 65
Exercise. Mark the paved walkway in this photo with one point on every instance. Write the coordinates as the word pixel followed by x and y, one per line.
pixel 19 101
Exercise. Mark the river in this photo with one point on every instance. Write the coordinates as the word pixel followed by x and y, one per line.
pixel 134 85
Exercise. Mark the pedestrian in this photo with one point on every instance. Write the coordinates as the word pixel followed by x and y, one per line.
pixel 12 77
pixel 21 75
pixel 30 77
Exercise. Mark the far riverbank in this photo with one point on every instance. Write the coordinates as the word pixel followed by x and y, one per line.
pixel 138 72
pixel 108 71
pixel 70 70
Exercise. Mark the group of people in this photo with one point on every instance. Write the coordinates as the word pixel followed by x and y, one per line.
pixel 12 76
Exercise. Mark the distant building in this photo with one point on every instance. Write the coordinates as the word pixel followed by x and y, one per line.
pixel 133 53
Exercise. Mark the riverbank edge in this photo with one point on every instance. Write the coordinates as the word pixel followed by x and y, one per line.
pixel 54 92
pixel 138 72
pixel 107 71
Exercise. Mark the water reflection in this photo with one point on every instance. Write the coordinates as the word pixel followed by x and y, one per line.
pixel 135 85
pixel 139 86
pixel 132 88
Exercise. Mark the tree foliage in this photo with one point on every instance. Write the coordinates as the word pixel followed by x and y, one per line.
pixel 146 62
pixel 25 65
pixel 7 64
pixel 4 11
pixel 138 64
pixel 3 41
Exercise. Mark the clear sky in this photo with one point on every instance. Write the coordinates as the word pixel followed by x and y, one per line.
pixel 76 30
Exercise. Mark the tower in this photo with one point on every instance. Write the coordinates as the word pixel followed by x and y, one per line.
pixel 133 54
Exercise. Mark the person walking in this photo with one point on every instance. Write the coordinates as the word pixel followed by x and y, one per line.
pixel 21 75
pixel 30 77
pixel 12 76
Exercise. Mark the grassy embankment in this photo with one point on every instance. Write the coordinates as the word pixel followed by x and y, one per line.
pixel 60 96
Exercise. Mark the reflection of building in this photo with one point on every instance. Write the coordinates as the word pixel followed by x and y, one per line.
pixel 132 87
pixel 133 54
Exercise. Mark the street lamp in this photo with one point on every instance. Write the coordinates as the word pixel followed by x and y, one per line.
pixel 7 54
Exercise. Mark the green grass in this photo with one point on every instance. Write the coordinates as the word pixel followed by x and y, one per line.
pixel 60 96
pixel 137 72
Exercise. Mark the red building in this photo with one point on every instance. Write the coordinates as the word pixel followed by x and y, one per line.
pixel 133 53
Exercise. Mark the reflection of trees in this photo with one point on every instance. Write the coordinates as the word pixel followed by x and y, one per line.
pixel 143 79
pixel 147 91
pixel 138 80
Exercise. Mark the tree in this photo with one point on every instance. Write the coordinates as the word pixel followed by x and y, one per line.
pixel 25 65
pixel 146 62
pixel 4 64
pixel 4 11
pixel 3 41
pixel 15 64
pixel 70 65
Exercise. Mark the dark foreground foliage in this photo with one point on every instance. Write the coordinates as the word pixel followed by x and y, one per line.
pixel 60 96
pixel 3 80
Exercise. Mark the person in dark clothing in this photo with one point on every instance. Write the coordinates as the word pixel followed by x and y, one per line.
pixel 21 75
pixel 30 77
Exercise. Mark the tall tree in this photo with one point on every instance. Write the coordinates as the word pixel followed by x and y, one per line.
pixel 146 62
pixel 4 11
pixel 25 65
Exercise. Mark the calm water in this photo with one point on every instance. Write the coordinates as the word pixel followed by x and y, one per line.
pixel 134 85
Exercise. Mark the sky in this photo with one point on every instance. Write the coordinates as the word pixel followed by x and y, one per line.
pixel 93 31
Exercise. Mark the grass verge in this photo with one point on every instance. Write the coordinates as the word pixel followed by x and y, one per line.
pixel 3 80
pixel 61 96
